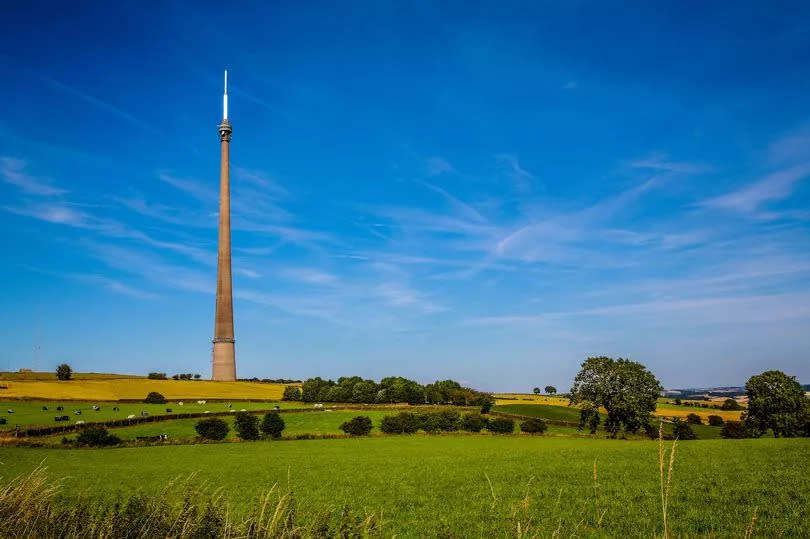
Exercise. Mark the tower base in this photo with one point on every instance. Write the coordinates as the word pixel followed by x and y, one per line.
pixel 224 366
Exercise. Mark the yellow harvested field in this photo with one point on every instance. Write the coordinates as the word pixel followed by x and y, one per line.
pixel 52 376
pixel 138 388
pixel 521 398
pixel 663 410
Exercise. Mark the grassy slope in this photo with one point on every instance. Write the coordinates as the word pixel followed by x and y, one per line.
pixel 421 482
pixel 137 388
pixel 31 412
pixel 295 423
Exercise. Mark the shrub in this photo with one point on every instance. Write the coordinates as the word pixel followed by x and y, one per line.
pixel 212 428
pixel 534 426
pixel 683 431
pixel 246 426
pixel 272 425
pixel 64 372
pixel 501 425
pixel 358 426
pixel 677 402
pixel 486 404
pixel 155 398
pixel 731 404
pixel 734 430
pixel 473 422
pixel 97 436
pixel 401 423
pixel 292 393
pixel 448 420
pixel 716 421
pixel 694 419
pixel 156 375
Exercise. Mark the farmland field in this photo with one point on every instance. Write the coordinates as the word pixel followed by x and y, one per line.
pixel 28 413
pixel 425 485
pixel 112 389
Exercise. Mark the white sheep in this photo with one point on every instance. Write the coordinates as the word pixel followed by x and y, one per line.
pixel 131 416
pixel 80 422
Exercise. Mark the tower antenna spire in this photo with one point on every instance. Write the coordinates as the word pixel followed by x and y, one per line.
pixel 225 98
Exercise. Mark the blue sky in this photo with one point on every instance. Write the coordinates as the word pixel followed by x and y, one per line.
pixel 488 192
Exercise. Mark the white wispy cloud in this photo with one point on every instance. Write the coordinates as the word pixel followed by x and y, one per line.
pixel 309 276
pixel 521 178
pixel 117 286
pixel 661 161
pixel 12 170
pixel 773 187
pixel 98 103
pixel 195 188
pixel 438 165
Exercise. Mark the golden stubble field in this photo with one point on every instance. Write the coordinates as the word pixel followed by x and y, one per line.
pixel 663 409
pixel 112 389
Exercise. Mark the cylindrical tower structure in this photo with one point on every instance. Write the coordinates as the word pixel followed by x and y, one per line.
pixel 224 360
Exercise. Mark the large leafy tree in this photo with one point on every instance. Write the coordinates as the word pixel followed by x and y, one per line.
pixel 64 372
pixel 776 401
pixel 551 390
pixel 626 389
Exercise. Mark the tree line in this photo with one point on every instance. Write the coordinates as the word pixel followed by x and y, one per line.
pixel 393 389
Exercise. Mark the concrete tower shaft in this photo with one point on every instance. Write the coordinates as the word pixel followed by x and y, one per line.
pixel 224 356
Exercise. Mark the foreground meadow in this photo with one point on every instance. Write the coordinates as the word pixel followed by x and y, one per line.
pixel 468 485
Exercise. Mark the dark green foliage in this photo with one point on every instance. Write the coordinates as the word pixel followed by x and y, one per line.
pixel 97 436
pixel 715 421
pixel 694 419
pixel 246 426
pixel 364 391
pixel 292 393
pixel 312 389
pixel 678 401
pixel 401 423
pixel 155 398
pixel 776 401
pixel 212 428
pixel 486 404
pixel 551 390
pixel 731 404
pixel 651 430
pixel 448 420
pixel 398 389
pixel 272 425
pixel 358 426
pixel 734 430
pixel 682 431
pixel 590 418
pixel 473 422
pixel 156 375
pixel 501 425
pixel 64 372
pixel 626 389
pixel 533 426
pixel 536 391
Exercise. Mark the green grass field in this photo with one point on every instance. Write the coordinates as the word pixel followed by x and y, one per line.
pixel 321 422
pixel 425 485
pixel 28 413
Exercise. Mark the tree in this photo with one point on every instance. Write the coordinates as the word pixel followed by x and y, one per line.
pixel 212 428
pixel 533 426
pixel 683 431
pixel 272 425
pixel 776 401
pixel 473 422
pixel 731 404
pixel 197 376
pixel 156 375
pixel 312 389
pixel 486 404
pixel 551 390
pixel 358 426
pixel 155 398
pixel 246 426
pixel 501 425
pixel 536 391
pixel 678 401
pixel 97 436
pixel 364 391
pixel 716 421
pixel 626 389
pixel 64 372
pixel 694 419
pixel 291 393
pixel 734 430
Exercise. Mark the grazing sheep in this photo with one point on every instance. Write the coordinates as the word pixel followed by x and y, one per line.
pixel 60 408
pixel 276 408
pixel 318 406
pixel 77 412
pixel 80 422
pixel 243 410
pixel 180 403
pixel 116 409
pixel 207 412
pixel 144 413
pixel 10 411
pixel 44 408
pixel 168 410
pixel 131 416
